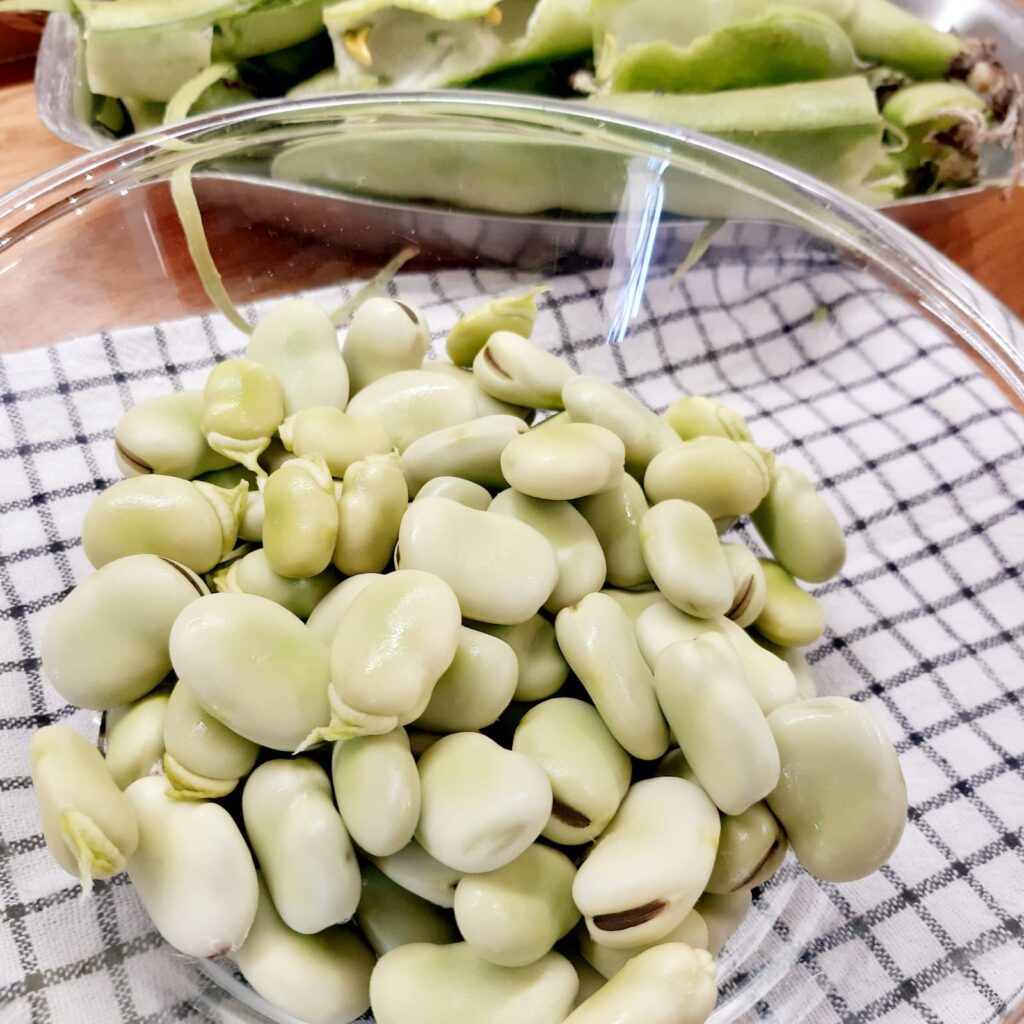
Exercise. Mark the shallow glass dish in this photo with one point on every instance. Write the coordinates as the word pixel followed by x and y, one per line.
pixel 676 265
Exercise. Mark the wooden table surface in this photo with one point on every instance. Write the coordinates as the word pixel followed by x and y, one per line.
pixel 987 240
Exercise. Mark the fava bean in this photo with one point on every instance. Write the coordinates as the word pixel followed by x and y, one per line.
pixel 597 401
pixel 384 337
pixel 327 615
pixel 203 758
pixel 666 984
pixel 414 869
pixel 164 435
pixel 749 589
pixel 320 979
pixel 297 342
pixel 486 405
pixel 542 669
pixel 482 805
pixel 598 641
pixel 608 962
pixel 107 642
pixel 695 416
pixel 300 524
pixel 501 570
pixel 633 602
pixel 390 916
pixel 304 851
pixel 377 790
pixel 800 529
pixel 253 516
pixel 751 849
pixel 791 617
pixel 252 574
pixel 841 797
pixel 254 666
pixel 134 737
pixel 192 870
pixel 476 687
pixel 615 515
pixel 339 437
pixel 651 864
pixel 581 563
pixel 513 915
pixel 413 403
pixel 373 500
pixel 190 522
pixel 723 915
pixel 514 370
pixel 714 717
pixel 589 772
pixel 515 313
pixel 88 825
pixel 465 492
pixel 433 984
pixel 685 558
pixel 564 462
pixel 243 406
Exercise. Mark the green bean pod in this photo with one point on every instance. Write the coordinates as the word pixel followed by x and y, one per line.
pixel 107 642
pixel 190 522
pixel 413 403
pixel 684 557
pixel 501 570
pixel 192 870
pixel 252 574
pixel 514 370
pixel 302 846
pixel 415 870
pixel 791 617
pixel 714 717
pixel 615 515
pixel 841 797
pixel 339 437
pixel 695 416
pixel 377 790
pixel 482 805
pixel 651 865
pixel 434 984
pixel 666 984
pixel 486 405
pixel 564 462
pixel 390 916
pixel 598 641
pixel 133 737
pixel 465 492
pixel 800 529
pixel 513 915
pixel 542 669
pixel 327 615
pixel 751 849
pixel 723 915
pixel 588 770
pixel 254 666
pixel 725 478
pixel 749 589
pixel 374 497
pixel 392 646
pixel 470 450
pixel 581 564
pixel 384 337
pixel 768 677
pixel 300 527
pixel 297 342
pixel 164 435
pixel 88 825
pixel 643 434
pixel 515 313
pixel 243 407
pixel 319 979
pixel 608 962
pixel 476 687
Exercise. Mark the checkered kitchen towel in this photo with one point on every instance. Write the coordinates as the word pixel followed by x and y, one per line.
pixel 922 457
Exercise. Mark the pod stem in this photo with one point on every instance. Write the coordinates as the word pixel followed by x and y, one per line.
pixel 179 105
pixel 373 287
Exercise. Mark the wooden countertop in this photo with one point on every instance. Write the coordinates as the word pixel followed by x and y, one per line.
pixel 987 239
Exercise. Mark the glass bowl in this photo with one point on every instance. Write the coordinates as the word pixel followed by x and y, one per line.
pixel 676 265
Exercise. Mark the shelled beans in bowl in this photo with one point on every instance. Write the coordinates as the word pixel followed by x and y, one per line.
pixel 418 701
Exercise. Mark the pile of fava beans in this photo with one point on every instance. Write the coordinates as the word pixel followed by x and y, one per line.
pixel 417 701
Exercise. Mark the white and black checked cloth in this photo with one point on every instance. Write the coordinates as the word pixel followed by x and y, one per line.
pixel 922 456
